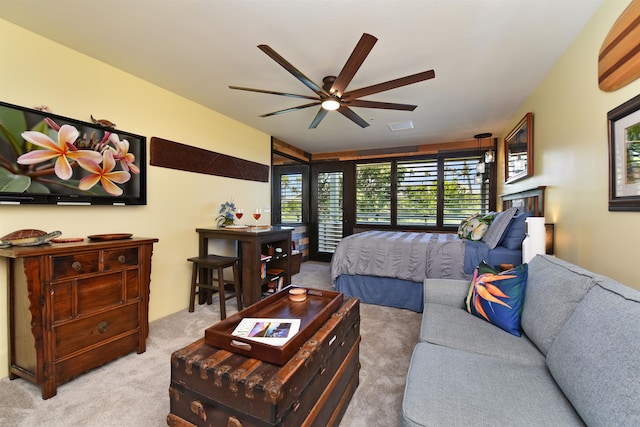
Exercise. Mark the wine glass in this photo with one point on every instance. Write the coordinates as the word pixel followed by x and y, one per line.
pixel 256 215
pixel 239 214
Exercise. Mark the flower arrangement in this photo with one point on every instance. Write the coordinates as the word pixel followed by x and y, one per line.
pixel 227 212
pixel 51 151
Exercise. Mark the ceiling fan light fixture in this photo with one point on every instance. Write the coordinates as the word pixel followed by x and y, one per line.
pixel 330 104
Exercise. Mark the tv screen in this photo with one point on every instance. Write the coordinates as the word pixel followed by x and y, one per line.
pixel 50 159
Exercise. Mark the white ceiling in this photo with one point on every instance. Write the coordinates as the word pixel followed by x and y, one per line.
pixel 488 55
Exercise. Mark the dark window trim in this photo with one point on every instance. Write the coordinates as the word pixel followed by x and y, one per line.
pixel 350 202
pixel 278 171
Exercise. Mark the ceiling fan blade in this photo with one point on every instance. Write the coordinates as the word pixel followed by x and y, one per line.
pixel 293 70
pixel 391 84
pixel 270 92
pixel 349 114
pixel 318 118
pixel 359 54
pixel 383 105
pixel 288 110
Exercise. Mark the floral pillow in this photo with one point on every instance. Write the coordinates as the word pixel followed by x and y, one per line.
pixel 475 226
pixel 498 298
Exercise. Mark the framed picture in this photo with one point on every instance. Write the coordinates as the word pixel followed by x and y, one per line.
pixel 624 156
pixel 518 149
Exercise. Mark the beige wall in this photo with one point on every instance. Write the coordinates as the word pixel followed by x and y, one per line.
pixel 35 71
pixel 571 157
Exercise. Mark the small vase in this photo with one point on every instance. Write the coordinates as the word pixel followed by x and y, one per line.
pixel 224 221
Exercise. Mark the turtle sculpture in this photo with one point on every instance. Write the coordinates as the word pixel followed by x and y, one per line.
pixel 27 237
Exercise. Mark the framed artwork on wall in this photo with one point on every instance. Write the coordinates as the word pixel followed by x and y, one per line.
pixel 518 149
pixel 624 156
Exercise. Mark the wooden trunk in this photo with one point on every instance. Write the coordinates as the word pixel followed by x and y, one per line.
pixel 214 387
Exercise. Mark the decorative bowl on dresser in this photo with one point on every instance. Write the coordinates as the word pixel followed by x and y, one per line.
pixel 76 306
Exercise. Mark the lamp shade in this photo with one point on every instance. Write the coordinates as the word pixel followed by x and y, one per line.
pixel 535 241
pixel 489 156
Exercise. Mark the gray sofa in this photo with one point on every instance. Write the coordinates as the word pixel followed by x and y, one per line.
pixel 576 363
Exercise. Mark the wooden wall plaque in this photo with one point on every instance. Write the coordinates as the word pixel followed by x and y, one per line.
pixel 173 155
pixel 619 58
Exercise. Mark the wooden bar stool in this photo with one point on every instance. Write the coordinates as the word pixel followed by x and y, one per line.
pixel 203 268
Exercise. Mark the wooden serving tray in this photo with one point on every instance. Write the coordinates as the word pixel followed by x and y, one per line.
pixel 313 313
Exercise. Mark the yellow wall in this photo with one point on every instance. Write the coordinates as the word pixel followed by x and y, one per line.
pixel 570 145
pixel 36 71
pixel 571 157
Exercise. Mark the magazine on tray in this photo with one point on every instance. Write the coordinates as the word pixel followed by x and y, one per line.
pixel 267 331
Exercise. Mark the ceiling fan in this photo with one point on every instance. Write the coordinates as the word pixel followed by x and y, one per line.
pixel 333 95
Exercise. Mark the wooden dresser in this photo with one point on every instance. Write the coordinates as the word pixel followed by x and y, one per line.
pixel 76 306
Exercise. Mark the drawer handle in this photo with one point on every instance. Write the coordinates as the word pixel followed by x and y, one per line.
pixel 121 259
pixel 102 327
pixel 198 408
pixel 77 266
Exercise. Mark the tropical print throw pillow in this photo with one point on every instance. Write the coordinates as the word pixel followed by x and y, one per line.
pixel 475 226
pixel 497 297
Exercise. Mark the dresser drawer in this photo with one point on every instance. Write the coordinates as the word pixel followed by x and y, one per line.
pixel 66 369
pixel 64 267
pixel 117 259
pixel 78 334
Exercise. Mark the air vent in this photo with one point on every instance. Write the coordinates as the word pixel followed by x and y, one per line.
pixel 400 125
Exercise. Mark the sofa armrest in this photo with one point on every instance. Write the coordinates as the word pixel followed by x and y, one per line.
pixel 450 292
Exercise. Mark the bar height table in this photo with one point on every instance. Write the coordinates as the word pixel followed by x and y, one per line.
pixel 252 241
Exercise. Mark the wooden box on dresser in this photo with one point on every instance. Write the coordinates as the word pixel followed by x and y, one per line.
pixel 76 306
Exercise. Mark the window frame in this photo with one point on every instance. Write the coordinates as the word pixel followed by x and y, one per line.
pixel 440 159
pixel 278 172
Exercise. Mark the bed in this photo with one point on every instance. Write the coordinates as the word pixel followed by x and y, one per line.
pixel 389 267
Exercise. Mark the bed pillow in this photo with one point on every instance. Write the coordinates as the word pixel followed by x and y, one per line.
pixel 500 223
pixel 498 298
pixel 515 233
pixel 475 227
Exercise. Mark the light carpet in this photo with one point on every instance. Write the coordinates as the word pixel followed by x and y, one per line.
pixel 133 390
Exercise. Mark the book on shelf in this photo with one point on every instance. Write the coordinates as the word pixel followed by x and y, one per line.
pixel 274 271
pixel 267 331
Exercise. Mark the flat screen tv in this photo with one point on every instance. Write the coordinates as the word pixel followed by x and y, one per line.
pixel 50 159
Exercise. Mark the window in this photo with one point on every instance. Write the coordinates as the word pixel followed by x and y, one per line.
pixel 373 193
pixel 417 192
pixel 291 198
pixel 464 193
pixel 290 192
pixel 330 212
pixel 429 192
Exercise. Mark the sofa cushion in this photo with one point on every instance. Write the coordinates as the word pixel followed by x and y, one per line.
pixel 445 291
pixel 449 387
pixel 454 327
pixel 596 357
pixel 498 297
pixel 498 227
pixel 554 288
